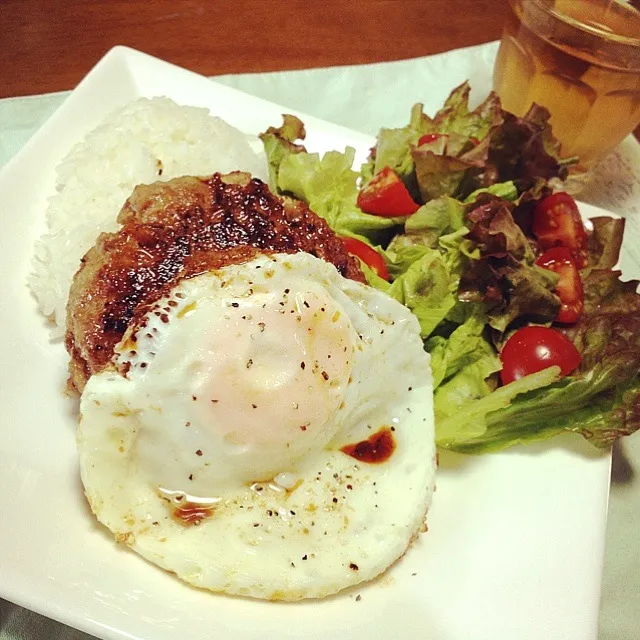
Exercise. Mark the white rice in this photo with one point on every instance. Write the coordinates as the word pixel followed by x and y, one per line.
pixel 100 172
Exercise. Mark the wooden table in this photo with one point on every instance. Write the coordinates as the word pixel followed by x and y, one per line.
pixel 49 45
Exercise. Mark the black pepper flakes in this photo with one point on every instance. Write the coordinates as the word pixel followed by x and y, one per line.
pixel 255 406
pixel 302 365
pixel 199 452
pixel 235 304
pixel 353 566
pixel 325 375
pixel 249 363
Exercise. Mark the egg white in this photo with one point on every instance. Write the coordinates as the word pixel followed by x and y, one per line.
pixel 273 509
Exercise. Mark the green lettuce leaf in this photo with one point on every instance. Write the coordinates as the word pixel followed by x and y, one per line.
pixel 505 190
pixel 438 217
pixel 393 149
pixel 455 116
pixel 427 261
pixel 465 346
pixel 458 425
pixel 279 142
pixel 426 289
pixel 602 405
pixel 328 185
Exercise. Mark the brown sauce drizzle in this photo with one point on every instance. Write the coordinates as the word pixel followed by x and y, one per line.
pixel 377 448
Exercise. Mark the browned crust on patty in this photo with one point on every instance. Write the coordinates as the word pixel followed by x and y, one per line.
pixel 174 230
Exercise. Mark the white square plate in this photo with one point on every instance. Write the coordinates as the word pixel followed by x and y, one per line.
pixel 515 543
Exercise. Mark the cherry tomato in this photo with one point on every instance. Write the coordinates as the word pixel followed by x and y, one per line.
pixel 560 260
pixel 532 349
pixel 386 195
pixel 557 222
pixel 367 254
pixel 427 138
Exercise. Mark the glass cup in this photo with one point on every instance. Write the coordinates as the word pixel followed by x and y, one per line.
pixel 581 60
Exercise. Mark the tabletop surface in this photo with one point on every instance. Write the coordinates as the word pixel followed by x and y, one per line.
pixel 49 45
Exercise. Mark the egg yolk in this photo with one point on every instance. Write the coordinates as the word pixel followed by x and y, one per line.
pixel 275 369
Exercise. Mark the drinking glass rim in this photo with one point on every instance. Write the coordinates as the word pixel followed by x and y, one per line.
pixel 606 35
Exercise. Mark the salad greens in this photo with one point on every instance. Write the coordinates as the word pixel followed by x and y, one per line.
pixel 464 264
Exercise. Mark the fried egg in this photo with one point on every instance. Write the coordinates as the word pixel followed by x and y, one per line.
pixel 264 430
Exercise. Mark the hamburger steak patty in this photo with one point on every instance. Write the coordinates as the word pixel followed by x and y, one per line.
pixel 174 230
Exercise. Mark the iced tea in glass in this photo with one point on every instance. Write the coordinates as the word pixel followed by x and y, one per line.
pixel 581 60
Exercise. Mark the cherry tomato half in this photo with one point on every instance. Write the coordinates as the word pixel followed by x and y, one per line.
pixel 367 254
pixel 557 222
pixel 532 349
pixel 386 195
pixel 560 260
